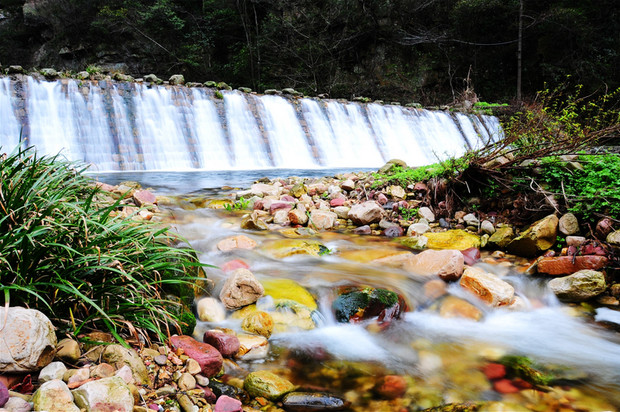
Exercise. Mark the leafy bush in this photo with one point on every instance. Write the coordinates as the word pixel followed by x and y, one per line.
pixel 64 253
pixel 403 176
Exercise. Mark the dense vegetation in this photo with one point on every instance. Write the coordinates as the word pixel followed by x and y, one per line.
pixel 64 252
pixel 431 51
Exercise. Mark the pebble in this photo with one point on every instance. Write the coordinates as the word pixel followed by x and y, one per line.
pixel 161 360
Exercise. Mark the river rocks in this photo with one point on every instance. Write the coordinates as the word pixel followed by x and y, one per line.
pixel 259 323
pixel 236 242
pixel 266 384
pixel 502 237
pixel 323 219
pixel 487 227
pixel 447 264
pixel 240 289
pixel 357 305
pixel 613 238
pixel 68 350
pixel 568 224
pixel 417 229
pixel 49 73
pixel 210 310
pixel 288 289
pixel 426 213
pixel 227 344
pixel 311 401
pixel 579 286
pixel 487 287
pixel 4 395
pixel 16 404
pixel 397 192
pixel 227 404
pixel 391 387
pixel 289 247
pixel 298 216
pixel 539 237
pixel 209 359
pixel 366 213
pixel 452 239
pixel 27 339
pixel 55 396
pixel 54 370
pixel 120 356
pixel 252 347
pixel 453 307
pixel 176 79
pixel 151 78
pixel 108 394
pixel 144 198
pixel 471 220
pixel 347 185
pixel 565 265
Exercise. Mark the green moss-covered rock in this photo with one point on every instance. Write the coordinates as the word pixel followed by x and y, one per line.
pixel 523 367
pixel 258 323
pixel 365 304
pixel 267 384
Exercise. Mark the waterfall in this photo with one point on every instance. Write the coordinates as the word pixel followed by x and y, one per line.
pixel 134 126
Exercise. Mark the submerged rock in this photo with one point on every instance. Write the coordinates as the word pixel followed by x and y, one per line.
pixel 367 303
pixel 268 385
pixel 289 289
pixel 288 247
pixel 453 307
pixel 259 323
pixel 313 401
pixel 579 286
pixel 487 287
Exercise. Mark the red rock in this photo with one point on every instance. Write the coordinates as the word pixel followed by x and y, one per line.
pixel 104 186
pixel 144 197
pixel 382 199
pixel 234 264
pixel 287 198
pixel 522 384
pixel 505 386
pixel 471 255
pixel 209 395
pixel 227 345
pixel 393 231
pixel 494 371
pixel 278 206
pixel 603 228
pixel 227 404
pixel 258 205
pixel 392 387
pixel 566 265
pixel 209 358
pixel 337 202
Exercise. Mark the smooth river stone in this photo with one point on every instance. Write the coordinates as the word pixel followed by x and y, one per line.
pixel 565 265
pixel 487 287
pixel 209 359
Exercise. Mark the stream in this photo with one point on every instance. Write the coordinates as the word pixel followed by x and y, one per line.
pixel 440 359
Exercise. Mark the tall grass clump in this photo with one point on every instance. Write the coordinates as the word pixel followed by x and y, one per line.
pixel 65 253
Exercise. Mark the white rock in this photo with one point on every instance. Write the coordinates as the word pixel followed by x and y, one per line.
pixel 27 340
pixel 109 394
pixel 366 213
pixel 54 396
pixel 471 220
pixel 211 310
pixel 54 370
pixel 342 212
pixel 487 287
pixel 17 404
pixel 262 189
pixel 487 227
pixel 323 219
pixel 418 229
pixel 426 213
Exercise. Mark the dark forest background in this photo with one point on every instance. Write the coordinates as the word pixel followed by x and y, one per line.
pixel 429 51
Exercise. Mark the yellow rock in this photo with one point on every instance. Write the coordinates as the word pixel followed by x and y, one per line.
pixel 457 239
pixel 219 203
pixel 382 256
pixel 289 289
pixel 288 247
pixel 453 307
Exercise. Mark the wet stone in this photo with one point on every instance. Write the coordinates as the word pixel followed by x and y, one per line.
pixel 312 401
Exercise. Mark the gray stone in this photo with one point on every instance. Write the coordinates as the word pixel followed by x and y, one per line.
pixel 110 394
pixel 83 75
pixel 568 225
pixel 49 73
pixel 151 78
pixel 176 79
pixel 426 213
pixel 240 289
pixel 15 69
pixel 54 396
pixel 579 286
pixel 54 370
pixel 417 229
pixel 120 356
pixel 471 220
pixel 17 404
pixel 245 89
pixel 27 340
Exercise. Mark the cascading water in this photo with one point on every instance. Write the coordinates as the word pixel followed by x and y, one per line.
pixel 119 126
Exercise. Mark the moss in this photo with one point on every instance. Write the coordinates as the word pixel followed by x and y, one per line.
pixel 524 368
pixel 386 297
pixel 347 305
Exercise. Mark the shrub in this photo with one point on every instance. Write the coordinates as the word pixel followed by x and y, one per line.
pixel 65 253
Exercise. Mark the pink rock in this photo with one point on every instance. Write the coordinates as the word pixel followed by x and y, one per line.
pixel 382 199
pixel 104 186
pixel 209 359
pixel 471 255
pixel 227 345
pixel 144 197
pixel 4 394
pixel 287 198
pixel 278 206
pixel 259 204
pixel 392 387
pixel 566 265
pixel 362 230
pixel 447 264
pixel 234 264
pixel 339 201
pixel 393 231
pixel 227 404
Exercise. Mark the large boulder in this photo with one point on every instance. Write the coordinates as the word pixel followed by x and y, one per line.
pixel 54 396
pixel 209 359
pixel 266 384
pixel 27 340
pixel 539 237
pixel 447 264
pixel 366 213
pixel 120 356
pixel 240 289
pixel 579 286
pixel 487 287
pixel 107 394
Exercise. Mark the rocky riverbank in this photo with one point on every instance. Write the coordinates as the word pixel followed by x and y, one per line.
pixel 236 360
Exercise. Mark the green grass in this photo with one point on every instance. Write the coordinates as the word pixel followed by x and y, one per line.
pixel 403 176
pixel 63 251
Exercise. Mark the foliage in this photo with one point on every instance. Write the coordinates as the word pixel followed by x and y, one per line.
pixel 408 213
pixel 240 204
pixel 487 108
pixel 404 176
pixel 63 251
pixel 590 191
